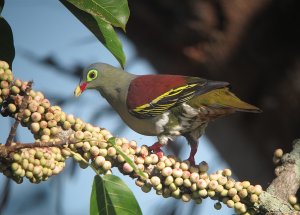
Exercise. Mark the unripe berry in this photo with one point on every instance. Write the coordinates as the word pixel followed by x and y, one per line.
pixel 236 198
pixel 37 170
pixel 35 127
pixel 86 147
pixel 36 117
pixel 246 184
pixel 167 171
pixel 15 90
pixel 211 193
pixel 127 168
pixel 297 206
pixel 173 187
pixel 212 185
pixel 201 184
pixel 155 181
pixel 52 123
pixel 232 192
pixel 16 157
pixel 169 180
pixel 186 197
pixel 227 172
pixel 99 161
pixel 186 174
pixel 94 151
pixel 219 188
pixel 278 153
pixel 229 184
pixel 119 157
pixel 194 177
pixel 187 183
pixel 168 162
pixel 253 198
pixel 154 158
pixel 176 193
pixel 45 138
pixel 54 130
pixel 203 193
pixel 12 108
pixel 139 183
pixel 178 181
pixel 43 124
pixel 224 192
pixel 184 166
pixel 33 106
pixel 258 189
pixel 222 180
pixel 148 160
pixel 79 135
pixel 177 173
pixel 238 186
pixel 66 125
pixel 243 193
pixel 15 166
pixel 292 199
pixel 107 165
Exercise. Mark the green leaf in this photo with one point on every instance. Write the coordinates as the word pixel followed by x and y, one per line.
pixel 1 5
pixel 112 141
pixel 101 29
pixel 111 196
pixel 115 12
pixel 7 48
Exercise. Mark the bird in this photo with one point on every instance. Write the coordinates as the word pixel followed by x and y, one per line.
pixel 163 105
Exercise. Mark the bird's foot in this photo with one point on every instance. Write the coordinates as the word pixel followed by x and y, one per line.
pixel 156 149
pixel 191 159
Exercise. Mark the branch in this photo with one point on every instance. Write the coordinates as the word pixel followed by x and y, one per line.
pixel 59 136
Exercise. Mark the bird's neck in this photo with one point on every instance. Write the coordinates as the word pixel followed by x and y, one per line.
pixel 116 91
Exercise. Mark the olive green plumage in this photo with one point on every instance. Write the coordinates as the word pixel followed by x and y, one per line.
pixel 165 106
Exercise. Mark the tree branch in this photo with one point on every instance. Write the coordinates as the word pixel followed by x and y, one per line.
pixel 59 136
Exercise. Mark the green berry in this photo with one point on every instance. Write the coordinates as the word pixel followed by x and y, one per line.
pixel 169 179
pixel 12 108
pixel 203 193
pixel 35 127
pixel 292 199
pixel 186 197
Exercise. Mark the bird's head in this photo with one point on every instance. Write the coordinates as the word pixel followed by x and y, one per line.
pixel 93 77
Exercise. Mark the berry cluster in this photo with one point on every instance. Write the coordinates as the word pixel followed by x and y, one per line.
pixel 89 145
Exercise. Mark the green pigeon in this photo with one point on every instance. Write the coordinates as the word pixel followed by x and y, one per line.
pixel 165 106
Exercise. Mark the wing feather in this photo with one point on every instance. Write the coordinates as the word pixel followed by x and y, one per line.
pixel 175 97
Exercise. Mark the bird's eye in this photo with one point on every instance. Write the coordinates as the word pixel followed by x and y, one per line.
pixel 92 74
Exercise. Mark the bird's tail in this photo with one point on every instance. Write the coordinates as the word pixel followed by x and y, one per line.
pixel 224 98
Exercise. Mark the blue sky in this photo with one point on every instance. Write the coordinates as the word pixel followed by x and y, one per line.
pixel 48 28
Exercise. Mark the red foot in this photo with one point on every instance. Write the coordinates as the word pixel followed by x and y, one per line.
pixel 191 159
pixel 156 148
pixel 160 154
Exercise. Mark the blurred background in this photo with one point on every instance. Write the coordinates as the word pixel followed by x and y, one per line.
pixel 254 45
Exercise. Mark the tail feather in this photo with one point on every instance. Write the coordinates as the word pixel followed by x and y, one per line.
pixel 224 98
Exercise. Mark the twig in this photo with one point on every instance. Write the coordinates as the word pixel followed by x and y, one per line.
pixel 23 105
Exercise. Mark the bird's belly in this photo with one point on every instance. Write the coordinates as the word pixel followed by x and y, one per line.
pixel 181 121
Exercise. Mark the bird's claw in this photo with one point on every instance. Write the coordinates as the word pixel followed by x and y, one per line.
pixel 156 149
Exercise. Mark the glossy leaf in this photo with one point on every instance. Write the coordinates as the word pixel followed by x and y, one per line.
pixel 101 29
pixel 7 48
pixel 115 12
pixel 111 196
pixel 112 141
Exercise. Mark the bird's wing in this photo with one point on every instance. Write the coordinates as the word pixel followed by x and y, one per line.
pixel 151 95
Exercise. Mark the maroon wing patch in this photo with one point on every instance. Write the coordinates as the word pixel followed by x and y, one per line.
pixel 144 89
